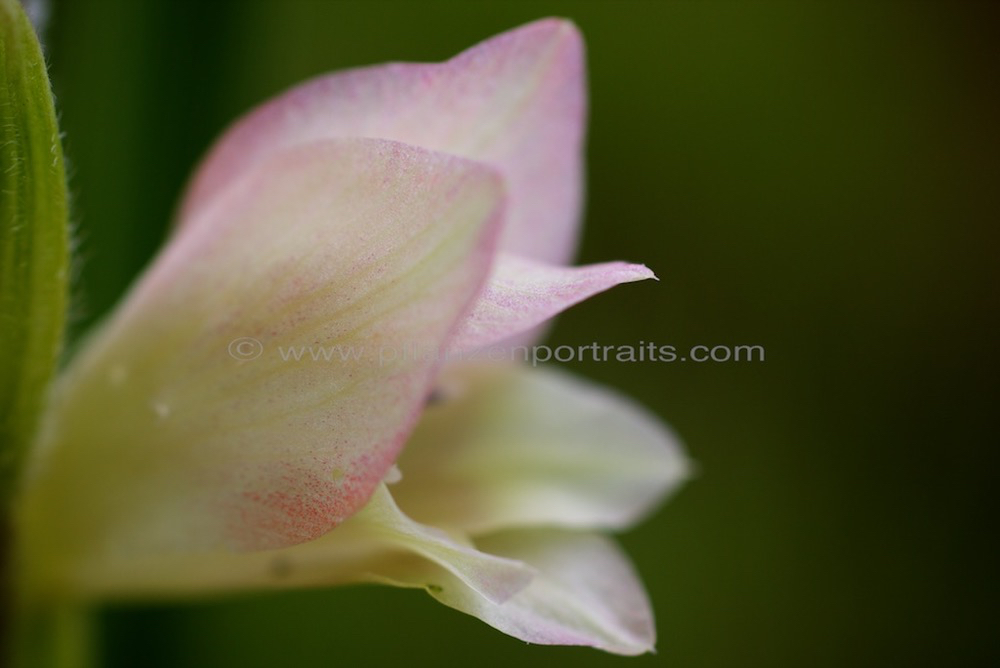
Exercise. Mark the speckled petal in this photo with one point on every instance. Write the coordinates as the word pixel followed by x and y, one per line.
pixel 516 101
pixel 235 400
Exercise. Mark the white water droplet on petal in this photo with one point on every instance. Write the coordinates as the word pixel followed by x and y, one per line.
pixel 393 476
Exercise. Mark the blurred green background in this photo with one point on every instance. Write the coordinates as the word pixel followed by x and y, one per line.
pixel 817 178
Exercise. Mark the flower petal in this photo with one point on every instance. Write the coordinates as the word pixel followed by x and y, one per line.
pixel 186 424
pixel 516 101
pixel 519 447
pixel 523 293
pixel 495 579
pixel 586 592
pixel 376 541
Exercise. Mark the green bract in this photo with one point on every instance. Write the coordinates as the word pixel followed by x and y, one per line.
pixel 34 255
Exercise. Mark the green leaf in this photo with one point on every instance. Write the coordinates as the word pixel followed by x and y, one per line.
pixel 34 248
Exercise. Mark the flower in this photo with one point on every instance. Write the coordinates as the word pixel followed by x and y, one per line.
pixel 391 208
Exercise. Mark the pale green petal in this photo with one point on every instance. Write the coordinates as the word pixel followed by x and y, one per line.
pixel 376 541
pixel 184 426
pixel 510 446
pixel 494 578
pixel 586 592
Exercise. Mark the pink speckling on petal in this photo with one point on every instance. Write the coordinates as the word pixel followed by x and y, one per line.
pixel 516 102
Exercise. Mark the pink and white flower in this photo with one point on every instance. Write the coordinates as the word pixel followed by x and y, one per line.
pixel 404 206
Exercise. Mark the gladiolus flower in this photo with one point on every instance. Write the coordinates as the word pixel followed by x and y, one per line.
pixel 391 208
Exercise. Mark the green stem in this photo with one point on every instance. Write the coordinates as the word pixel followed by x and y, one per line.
pixel 40 632
pixel 54 636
